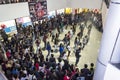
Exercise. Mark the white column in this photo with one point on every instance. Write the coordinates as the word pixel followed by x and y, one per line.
pixel 109 50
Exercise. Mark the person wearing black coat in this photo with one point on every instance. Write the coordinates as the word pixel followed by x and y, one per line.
pixel 77 55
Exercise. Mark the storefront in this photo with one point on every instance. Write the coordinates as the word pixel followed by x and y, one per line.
pixel 51 14
pixel 8 26
pixel 80 10
pixel 60 11
pixel 68 10
pixel 23 21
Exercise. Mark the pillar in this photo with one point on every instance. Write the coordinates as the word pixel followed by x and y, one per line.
pixel 109 49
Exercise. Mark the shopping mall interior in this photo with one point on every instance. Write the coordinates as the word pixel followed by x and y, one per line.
pixel 59 39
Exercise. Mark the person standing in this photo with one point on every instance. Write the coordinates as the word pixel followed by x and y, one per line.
pixel 74 28
pixel 48 47
pixel 65 39
pixel 56 42
pixel 37 42
pixel 86 72
pixel 52 59
pixel 69 50
pixel 77 55
pixel 45 40
pixel 85 40
pixel 4 36
pixel 91 74
pixel 61 49
pixel 53 35
pixel 76 42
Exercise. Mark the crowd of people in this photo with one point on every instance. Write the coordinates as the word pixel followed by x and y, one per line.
pixel 24 62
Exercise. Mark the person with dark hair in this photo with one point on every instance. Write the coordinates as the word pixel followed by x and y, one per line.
pixel 47 64
pixel 64 56
pixel 59 72
pixel 15 77
pixel 86 72
pixel 37 42
pixel 69 50
pixel 52 59
pixel 53 35
pixel 45 40
pixel 74 28
pixel 65 40
pixel 31 76
pixel 56 42
pixel 61 49
pixel 37 65
pixel 41 58
pixel 66 65
pixel 66 77
pixel 24 77
pixel 48 47
pixel 85 40
pixel 4 36
pixel 79 35
pixel 77 55
pixel 92 65
pixel 68 36
pixel 76 43
pixel 61 27
pixel 8 54
pixel 91 71
pixel 76 76
pixel 82 76
pixel 89 29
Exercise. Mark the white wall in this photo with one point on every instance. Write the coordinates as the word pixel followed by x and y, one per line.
pixel 69 3
pixel 60 4
pixel 56 4
pixel 91 4
pixel 12 11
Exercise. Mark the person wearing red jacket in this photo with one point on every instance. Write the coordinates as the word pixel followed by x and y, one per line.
pixel 66 77
pixel 8 54
pixel 37 66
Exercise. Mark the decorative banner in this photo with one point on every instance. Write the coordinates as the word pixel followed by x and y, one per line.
pixel 38 9
pixel 8 26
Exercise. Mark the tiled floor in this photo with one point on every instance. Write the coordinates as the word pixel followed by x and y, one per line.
pixel 88 54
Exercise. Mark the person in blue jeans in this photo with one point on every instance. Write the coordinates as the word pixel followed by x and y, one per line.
pixel 61 49
pixel 48 47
